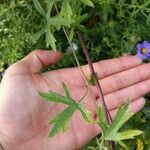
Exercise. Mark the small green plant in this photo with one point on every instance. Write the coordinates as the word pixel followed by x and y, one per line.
pixel 60 122
pixel 68 17
pixel 109 132
pixel 110 29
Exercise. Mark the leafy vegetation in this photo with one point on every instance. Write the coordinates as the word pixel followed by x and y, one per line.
pixel 111 28
pixel 61 121
pixel 109 132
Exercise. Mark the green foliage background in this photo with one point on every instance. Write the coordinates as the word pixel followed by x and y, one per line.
pixel 113 28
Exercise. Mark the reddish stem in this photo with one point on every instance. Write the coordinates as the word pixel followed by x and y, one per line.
pixel 107 114
pixel 85 50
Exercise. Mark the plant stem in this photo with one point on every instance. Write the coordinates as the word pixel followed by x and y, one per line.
pixel 73 51
pixel 85 50
pixel 107 114
pixel 101 144
pixel 75 56
pixel 77 61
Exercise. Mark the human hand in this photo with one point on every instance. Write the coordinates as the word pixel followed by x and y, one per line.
pixel 24 115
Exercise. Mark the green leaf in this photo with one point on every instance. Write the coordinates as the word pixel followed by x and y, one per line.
pixel 92 80
pixel 60 122
pixel 88 2
pixel 82 28
pixel 66 90
pixel 50 4
pixel 39 8
pixel 54 97
pixel 102 120
pixel 128 134
pixel 71 34
pixel 57 22
pixel 66 11
pixel 50 40
pixel 122 144
pixel 85 113
pixel 81 18
pixel 110 132
pixel 38 35
pixel 122 116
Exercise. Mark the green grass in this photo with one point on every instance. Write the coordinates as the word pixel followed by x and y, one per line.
pixel 112 29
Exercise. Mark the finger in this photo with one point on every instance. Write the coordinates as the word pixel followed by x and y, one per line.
pixel 118 98
pixel 108 67
pixel 135 107
pixel 103 68
pixel 124 79
pixel 36 60
pixel 39 59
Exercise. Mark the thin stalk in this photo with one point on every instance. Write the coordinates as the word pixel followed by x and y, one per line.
pixel 77 61
pixel 75 56
pixel 101 144
pixel 85 50
pixel 73 51
pixel 78 64
pixel 107 114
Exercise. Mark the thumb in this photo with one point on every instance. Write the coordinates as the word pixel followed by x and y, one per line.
pixel 37 60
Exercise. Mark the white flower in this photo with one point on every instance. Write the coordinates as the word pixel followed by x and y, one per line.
pixel 75 48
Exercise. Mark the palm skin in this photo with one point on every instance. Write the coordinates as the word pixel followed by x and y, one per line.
pixel 24 114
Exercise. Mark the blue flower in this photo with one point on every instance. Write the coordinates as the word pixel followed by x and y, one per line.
pixel 143 50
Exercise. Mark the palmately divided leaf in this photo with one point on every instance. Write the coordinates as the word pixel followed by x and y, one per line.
pixel 39 8
pixel 110 132
pixel 54 97
pixel 124 135
pixel 85 113
pixel 60 122
pixel 88 2
pixel 123 114
pixel 66 90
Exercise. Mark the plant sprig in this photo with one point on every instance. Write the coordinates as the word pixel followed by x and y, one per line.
pixel 110 132
pixel 71 19
pixel 60 122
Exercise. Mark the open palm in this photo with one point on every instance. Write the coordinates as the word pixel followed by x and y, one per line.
pixel 24 114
